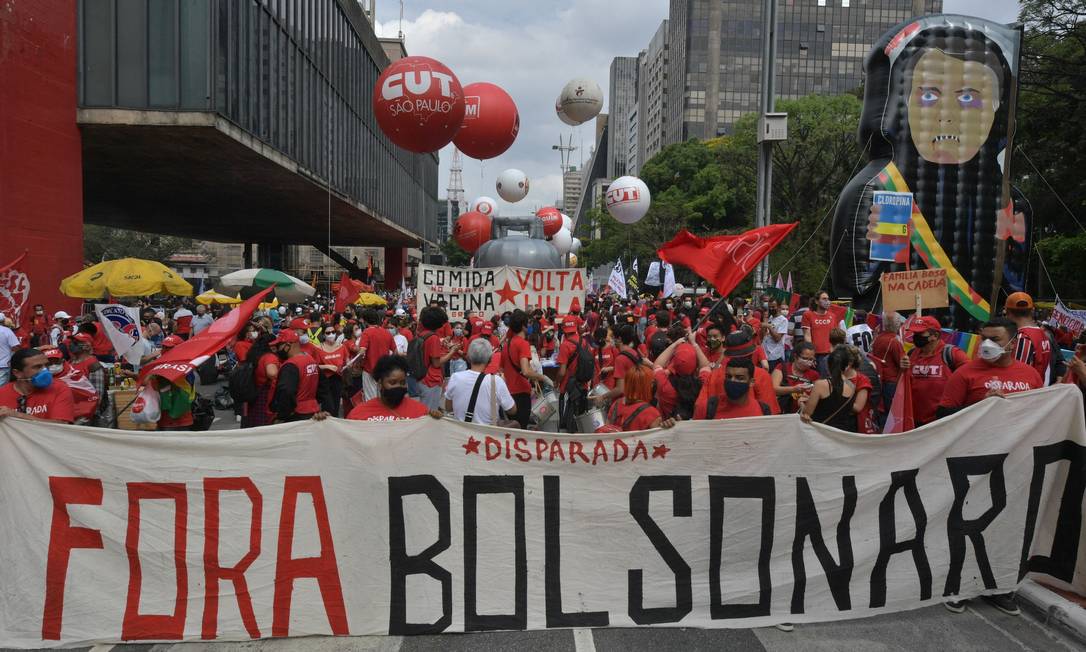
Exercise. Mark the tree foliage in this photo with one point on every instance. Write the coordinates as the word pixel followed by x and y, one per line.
pixel 107 243
pixel 454 255
pixel 1063 259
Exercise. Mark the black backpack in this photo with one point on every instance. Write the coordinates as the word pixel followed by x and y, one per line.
pixel 586 366
pixel 417 364
pixel 242 382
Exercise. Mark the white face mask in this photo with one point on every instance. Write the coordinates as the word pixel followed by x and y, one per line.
pixel 303 339
pixel 990 351
pixel 56 368
pixel 330 337
pixel 254 334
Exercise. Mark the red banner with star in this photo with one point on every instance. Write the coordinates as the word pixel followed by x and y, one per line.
pixel 488 291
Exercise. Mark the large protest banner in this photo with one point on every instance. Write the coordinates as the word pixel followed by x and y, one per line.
pixel 429 526
pixel 490 291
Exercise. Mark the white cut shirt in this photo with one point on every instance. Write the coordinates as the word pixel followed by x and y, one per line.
pixel 459 390
pixel 860 336
pixel 774 350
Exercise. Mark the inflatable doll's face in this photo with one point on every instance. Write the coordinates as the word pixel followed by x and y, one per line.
pixel 952 105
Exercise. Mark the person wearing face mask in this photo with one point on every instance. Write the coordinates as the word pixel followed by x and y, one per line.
pixel 333 357
pixel 202 320
pixel 392 402
pixel 730 395
pixel 457 362
pixel 302 327
pixel 295 397
pixel 60 331
pixel 374 343
pixel 817 324
pixel 774 330
pixel 930 364
pixel 39 327
pixel 32 394
pixel 84 396
pixel 87 364
pixel 792 381
pixel 246 336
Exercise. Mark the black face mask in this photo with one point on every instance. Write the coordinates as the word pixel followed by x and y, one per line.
pixel 393 395
pixel 282 353
pixel 920 340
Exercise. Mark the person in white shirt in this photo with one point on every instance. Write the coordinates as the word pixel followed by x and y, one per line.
pixel 860 335
pixel 462 385
pixel 8 342
pixel 59 332
pixel 202 320
pixel 776 328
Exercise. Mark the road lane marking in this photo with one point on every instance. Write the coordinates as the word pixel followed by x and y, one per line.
pixel 582 640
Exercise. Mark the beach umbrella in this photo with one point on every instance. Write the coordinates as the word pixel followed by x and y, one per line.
pixel 287 287
pixel 125 277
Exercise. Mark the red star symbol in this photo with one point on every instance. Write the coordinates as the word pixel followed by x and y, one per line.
pixel 507 293
pixel 472 446
pixel 660 451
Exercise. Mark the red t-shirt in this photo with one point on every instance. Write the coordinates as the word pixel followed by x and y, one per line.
pixel 375 410
pixel 820 325
pixel 623 363
pixel 241 349
pixel 567 355
pixel 55 402
pixel 886 354
pixel 725 409
pixel 102 344
pixel 1035 349
pixel 85 364
pixel 606 358
pixel 261 373
pixel 929 377
pixel 516 349
pixel 713 383
pixel 433 348
pixel 338 357
pixel 620 412
pixel 378 343
pixel 970 383
pixel 865 423
pixel 666 396
pixel 408 335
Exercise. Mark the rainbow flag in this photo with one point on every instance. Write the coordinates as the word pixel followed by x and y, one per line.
pixel 932 253
pixel 968 342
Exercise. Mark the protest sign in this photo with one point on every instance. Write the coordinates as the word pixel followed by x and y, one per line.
pixel 427 526
pixel 489 291
pixel 900 290
pixel 1073 320
pixel 892 229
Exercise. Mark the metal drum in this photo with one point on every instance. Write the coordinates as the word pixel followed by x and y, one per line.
pixel 545 408
pixel 591 420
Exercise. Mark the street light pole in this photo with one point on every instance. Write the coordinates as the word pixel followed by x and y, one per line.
pixel 768 128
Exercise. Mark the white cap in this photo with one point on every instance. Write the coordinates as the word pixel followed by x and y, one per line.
pixel 400 312
pixel 60 314
pixel 3 317
pixel 298 310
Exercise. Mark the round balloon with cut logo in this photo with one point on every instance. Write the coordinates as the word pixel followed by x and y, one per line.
pixel 472 229
pixel 486 205
pixel 419 104
pixel 491 121
pixel 512 185
pixel 627 199
pixel 551 218
pixel 581 100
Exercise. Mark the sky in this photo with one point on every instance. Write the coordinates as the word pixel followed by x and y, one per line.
pixel 531 49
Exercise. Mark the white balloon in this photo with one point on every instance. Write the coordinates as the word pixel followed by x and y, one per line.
pixel 576 248
pixel 486 205
pixel 512 185
pixel 581 100
pixel 678 290
pixel 567 223
pixel 562 241
pixel 627 199
pixel 562 114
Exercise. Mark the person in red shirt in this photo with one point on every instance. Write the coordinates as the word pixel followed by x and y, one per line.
pixel 728 393
pixel 887 352
pixel 634 411
pixel 605 357
pixel 301 327
pixel 793 380
pixel 82 345
pixel 629 356
pixel 437 350
pixel 39 325
pixel 32 393
pixel 930 364
pixel 817 324
pixel 740 345
pixel 333 357
pixel 677 383
pixel 295 396
pixel 714 344
pixel 485 330
pixel 244 341
pixel 1033 346
pixel 1076 367
pixel 265 373
pixel 572 395
pixel 994 372
pixel 375 343
pixel 392 402
pixel 517 369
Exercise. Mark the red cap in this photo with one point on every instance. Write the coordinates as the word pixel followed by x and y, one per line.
pixel 924 324
pixel 52 352
pixel 85 338
pixel 487 328
pixel 286 336
pixel 684 361
pixel 171 342
pixel 299 323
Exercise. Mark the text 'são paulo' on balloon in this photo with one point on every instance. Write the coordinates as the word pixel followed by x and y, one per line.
pixel 512 185
pixel 581 100
pixel 486 205
pixel 562 241
pixel 491 121
pixel 551 218
pixel 627 199
pixel 419 104
pixel 562 115
pixel 472 229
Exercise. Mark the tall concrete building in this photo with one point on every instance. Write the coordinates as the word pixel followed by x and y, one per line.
pixel 633 144
pixel 652 96
pixel 572 187
pixel 715 48
pixel 621 101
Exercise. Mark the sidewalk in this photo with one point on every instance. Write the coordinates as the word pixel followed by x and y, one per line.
pixel 1056 607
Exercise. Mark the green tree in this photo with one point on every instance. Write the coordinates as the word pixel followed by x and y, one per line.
pixel 454 255
pixel 107 243
pixel 1063 259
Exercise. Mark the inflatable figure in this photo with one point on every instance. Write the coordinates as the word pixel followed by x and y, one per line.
pixel 935 123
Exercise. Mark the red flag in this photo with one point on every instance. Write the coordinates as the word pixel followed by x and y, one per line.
pixel 724 260
pixel 14 289
pixel 793 304
pixel 369 270
pixel 839 313
pixel 182 359
pixel 900 417
pixel 347 293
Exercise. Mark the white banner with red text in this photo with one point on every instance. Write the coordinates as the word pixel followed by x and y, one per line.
pixel 489 291
pixel 427 526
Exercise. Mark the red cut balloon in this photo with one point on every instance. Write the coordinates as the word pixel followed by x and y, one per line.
pixel 552 220
pixel 471 231
pixel 419 104
pixel 491 121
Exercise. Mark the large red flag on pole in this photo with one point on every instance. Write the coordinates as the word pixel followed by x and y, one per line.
pixel 182 359
pixel 900 417
pixel 348 292
pixel 724 260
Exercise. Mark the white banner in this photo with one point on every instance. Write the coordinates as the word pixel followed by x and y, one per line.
pixel 617 282
pixel 122 324
pixel 429 526
pixel 490 291
pixel 1073 320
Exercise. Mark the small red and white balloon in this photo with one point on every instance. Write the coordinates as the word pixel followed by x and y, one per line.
pixel 551 218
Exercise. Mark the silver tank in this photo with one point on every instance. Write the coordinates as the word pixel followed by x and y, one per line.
pixel 517 241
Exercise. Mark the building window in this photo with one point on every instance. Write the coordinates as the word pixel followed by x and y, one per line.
pixel 820 29
pixel 844 3
pixel 821 3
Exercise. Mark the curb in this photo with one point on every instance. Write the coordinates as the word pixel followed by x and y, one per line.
pixel 1054 609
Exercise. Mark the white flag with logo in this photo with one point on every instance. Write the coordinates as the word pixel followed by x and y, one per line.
pixel 122 325
pixel 617 282
pixel 669 279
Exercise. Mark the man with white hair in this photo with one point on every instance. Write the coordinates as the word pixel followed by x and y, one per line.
pixel 887 352
pixel 468 393
pixel 8 343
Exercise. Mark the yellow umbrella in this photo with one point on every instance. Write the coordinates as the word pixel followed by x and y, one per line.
pixel 211 296
pixel 370 299
pixel 270 306
pixel 127 277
